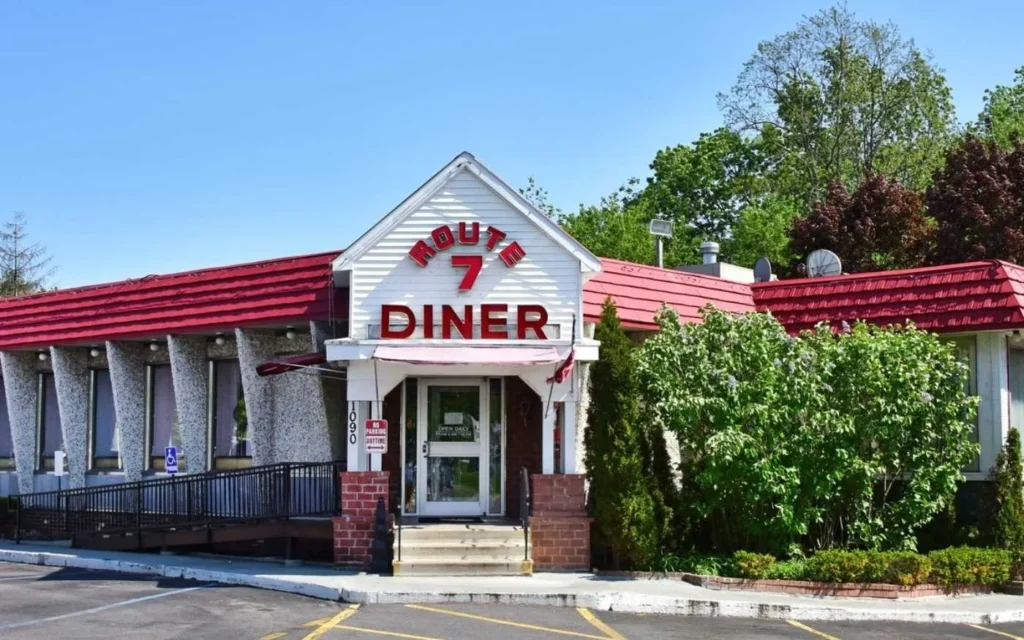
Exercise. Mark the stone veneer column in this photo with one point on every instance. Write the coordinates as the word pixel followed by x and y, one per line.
pixel 353 529
pixel 21 384
pixel 71 375
pixel 128 379
pixel 190 373
pixel 254 348
pixel 559 523
pixel 583 405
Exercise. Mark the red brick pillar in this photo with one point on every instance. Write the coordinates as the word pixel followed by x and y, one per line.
pixel 559 524
pixel 353 529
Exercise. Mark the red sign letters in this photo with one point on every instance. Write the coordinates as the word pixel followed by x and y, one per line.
pixel 469 234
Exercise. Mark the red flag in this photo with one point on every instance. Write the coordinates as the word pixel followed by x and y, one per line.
pixel 564 370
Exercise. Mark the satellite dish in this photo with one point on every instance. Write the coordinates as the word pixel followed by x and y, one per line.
pixel 763 270
pixel 822 262
pixel 661 228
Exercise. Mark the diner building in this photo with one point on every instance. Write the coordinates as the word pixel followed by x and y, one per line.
pixel 464 318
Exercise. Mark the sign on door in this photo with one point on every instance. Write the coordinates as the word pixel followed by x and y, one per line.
pixel 376 436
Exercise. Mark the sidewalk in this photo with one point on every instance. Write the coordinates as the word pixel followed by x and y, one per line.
pixel 552 589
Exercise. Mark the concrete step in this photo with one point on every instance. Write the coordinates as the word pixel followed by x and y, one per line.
pixel 462 568
pixel 482 550
pixel 462 533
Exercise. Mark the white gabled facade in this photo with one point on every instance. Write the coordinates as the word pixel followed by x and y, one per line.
pixel 414 263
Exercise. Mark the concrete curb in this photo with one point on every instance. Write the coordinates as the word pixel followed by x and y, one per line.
pixel 620 601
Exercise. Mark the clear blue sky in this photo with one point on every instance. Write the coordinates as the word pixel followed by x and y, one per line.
pixel 147 137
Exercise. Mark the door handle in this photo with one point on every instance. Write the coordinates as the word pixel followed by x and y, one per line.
pixel 426 448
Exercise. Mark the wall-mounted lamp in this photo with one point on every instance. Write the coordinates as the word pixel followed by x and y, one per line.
pixel 219 340
pixel 154 346
pixel 290 333
pixel 94 352
pixel 44 356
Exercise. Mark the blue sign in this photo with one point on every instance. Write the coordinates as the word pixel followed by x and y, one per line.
pixel 171 459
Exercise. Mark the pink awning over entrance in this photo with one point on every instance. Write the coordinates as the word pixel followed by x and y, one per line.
pixel 467 355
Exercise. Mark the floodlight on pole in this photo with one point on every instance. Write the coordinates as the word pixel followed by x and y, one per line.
pixel 660 229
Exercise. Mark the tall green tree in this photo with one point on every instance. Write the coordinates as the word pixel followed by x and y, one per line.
pixel 24 265
pixel 617 227
pixel 840 98
pixel 1002 117
pixel 625 518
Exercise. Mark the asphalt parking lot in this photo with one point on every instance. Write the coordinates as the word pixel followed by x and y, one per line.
pixel 43 602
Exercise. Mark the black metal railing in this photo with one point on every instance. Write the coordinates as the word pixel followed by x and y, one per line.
pixel 524 509
pixel 268 492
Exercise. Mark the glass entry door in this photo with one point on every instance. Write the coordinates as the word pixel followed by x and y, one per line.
pixel 453 461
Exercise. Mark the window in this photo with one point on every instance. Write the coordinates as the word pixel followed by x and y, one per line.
pixel 496 416
pixel 48 421
pixel 6 441
pixel 164 430
pixel 230 426
pixel 411 446
pixel 104 441
pixel 967 352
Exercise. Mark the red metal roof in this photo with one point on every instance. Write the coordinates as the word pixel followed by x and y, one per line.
pixel 639 291
pixel 971 296
pixel 294 289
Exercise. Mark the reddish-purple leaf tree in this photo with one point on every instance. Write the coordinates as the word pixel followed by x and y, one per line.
pixel 881 225
pixel 977 201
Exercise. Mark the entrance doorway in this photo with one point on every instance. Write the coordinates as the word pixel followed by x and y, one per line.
pixel 459 447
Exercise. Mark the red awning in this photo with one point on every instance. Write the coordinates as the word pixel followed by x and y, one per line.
pixel 510 355
pixel 291 363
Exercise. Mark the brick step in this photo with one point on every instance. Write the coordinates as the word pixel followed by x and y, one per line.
pixel 462 568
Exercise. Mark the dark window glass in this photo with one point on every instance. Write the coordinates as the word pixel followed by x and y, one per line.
pixel 164 414
pixel 230 425
pixel 494 409
pixel 6 443
pixel 411 446
pixel 104 425
pixel 50 436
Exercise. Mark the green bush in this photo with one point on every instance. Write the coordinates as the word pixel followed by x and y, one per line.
pixel 752 565
pixel 788 570
pixel 696 563
pixel 960 566
pixel 1008 516
pixel 908 568
pixel 839 566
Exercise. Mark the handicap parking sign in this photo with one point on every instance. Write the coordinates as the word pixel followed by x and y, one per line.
pixel 171 459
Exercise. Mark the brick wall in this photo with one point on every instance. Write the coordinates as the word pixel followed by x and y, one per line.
pixel 523 411
pixel 559 525
pixel 353 529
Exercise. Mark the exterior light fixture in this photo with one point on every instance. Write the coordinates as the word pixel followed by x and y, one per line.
pixel 290 334
pixel 44 356
pixel 94 352
pixel 153 346
pixel 219 340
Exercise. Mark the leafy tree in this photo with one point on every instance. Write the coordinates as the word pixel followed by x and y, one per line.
pixel 832 439
pixel 24 266
pixel 615 228
pixel 977 201
pixel 624 511
pixel 1002 118
pixel 538 196
pixel 841 98
pixel 881 225
pixel 1009 505
pixel 763 230
pixel 703 188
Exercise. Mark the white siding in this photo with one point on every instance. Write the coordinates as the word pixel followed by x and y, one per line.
pixel 548 275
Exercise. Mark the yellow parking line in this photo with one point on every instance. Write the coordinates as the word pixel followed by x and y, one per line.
pixel 274 636
pixel 820 634
pixel 333 622
pixel 315 623
pixel 393 634
pixel 520 625
pixel 602 627
pixel 998 633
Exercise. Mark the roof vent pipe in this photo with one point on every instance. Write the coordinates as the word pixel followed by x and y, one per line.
pixel 709 252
